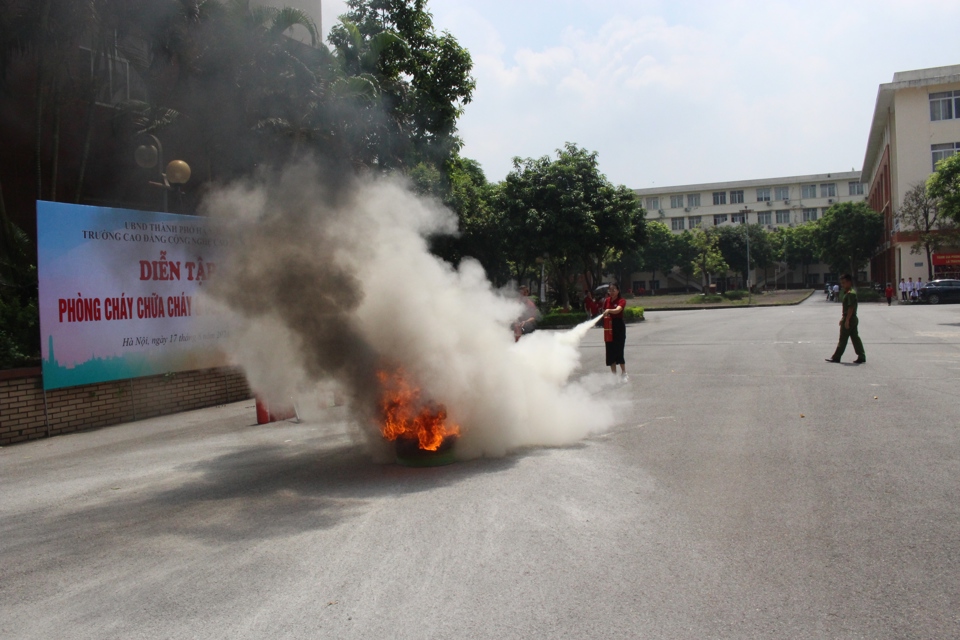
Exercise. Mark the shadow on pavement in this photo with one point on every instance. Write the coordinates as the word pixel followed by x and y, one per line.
pixel 245 495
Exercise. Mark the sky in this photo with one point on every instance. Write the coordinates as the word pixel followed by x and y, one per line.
pixel 681 92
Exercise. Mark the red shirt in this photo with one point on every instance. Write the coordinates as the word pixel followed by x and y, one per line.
pixel 888 292
pixel 610 303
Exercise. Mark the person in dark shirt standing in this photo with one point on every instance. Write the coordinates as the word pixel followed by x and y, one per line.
pixel 849 323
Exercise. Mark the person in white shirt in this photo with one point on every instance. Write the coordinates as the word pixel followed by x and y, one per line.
pixel 912 289
pixel 903 290
pixel 836 293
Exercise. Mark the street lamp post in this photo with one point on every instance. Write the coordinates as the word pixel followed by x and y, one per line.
pixel 746 228
pixel 177 172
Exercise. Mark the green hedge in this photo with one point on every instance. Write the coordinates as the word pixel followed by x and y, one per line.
pixel 867 294
pixel 557 319
pixel 736 294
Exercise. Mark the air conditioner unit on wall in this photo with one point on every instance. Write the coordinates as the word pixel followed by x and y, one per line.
pixel 830 200
pixel 769 204
pixel 686 208
pixel 786 201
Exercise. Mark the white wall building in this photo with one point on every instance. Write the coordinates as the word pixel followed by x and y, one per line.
pixel 771 202
pixel 916 122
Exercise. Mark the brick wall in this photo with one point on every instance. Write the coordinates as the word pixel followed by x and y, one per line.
pixel 99 405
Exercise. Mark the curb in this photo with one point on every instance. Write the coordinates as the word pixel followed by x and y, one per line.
pixel 728 306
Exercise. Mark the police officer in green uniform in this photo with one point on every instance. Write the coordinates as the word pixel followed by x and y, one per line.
pixel 848 323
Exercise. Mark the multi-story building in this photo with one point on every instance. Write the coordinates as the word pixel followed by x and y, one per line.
pixel 771 202
pixel 916 123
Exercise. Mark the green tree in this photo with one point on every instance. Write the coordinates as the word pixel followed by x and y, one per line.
pixel 848 235
pixel 19 311
pixel 732 242
pixel 661 251
pixel 920 213
pixel 796 246
pixel 687 253
pixel 707 258
pixel 567 210
pixel 425 84
pixel 944 185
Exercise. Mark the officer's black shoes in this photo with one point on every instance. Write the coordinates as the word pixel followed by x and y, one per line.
pixel 860 361
pixel 831 360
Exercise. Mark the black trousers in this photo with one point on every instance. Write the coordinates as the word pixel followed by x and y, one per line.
pixel 853 334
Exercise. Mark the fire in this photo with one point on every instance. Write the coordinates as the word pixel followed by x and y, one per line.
pixel 406 416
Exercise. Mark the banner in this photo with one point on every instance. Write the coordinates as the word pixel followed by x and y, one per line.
pixel 121 294
pixel 946 259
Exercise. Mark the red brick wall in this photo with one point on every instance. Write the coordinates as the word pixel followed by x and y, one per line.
pixel 99 405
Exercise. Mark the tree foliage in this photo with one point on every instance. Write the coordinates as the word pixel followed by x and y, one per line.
pixel 944 185
pixel 848 235
pixel 922 214
pixel 661 251
pixel 707 259
pixel 796 246
pixel 566 211
pixel 732 243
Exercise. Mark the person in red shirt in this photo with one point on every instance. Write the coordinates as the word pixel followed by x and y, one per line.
pixel 888 292
pixel 590 305
pixel 615 330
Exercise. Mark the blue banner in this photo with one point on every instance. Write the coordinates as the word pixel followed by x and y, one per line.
pixel 122 294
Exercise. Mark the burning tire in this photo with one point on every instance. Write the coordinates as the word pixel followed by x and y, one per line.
pixel 409 453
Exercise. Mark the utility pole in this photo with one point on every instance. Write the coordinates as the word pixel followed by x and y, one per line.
pixel 746 228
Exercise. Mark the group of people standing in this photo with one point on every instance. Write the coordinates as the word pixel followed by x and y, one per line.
pixel 910 290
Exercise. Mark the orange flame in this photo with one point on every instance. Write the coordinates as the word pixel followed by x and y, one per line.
pixel 405 415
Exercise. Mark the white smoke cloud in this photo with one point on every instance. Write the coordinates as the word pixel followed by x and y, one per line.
pixel 330 283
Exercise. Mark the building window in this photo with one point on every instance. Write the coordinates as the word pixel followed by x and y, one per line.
pixel 693 222
pixel 810 215
pixel 738 218
pixel 783 216
pixel 676 224
pixel 719 219
pixel 719 197
pixel 781 193
pixel 945 105
pixel 653 204
pixel 823 211
pixel 828 190
pixel 676 202
pixel 736 197
pixel 764 217
pixel 115 81
pixel 856 188
pixel 693 199
pixel 808 191
pixel 813 279
pixel 943 151
pixel 763 195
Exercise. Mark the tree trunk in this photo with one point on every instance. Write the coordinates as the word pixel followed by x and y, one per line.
pixel 929 263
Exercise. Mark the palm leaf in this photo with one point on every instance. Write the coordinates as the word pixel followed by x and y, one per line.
pixel 288 17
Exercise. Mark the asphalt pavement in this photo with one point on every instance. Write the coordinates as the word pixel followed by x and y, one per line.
pixel 751 490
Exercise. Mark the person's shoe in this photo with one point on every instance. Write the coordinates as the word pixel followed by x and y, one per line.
pixel 832 359
pixel 624 379
pixel 860 361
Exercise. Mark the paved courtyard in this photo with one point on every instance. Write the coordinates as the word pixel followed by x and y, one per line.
pixel 751 491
